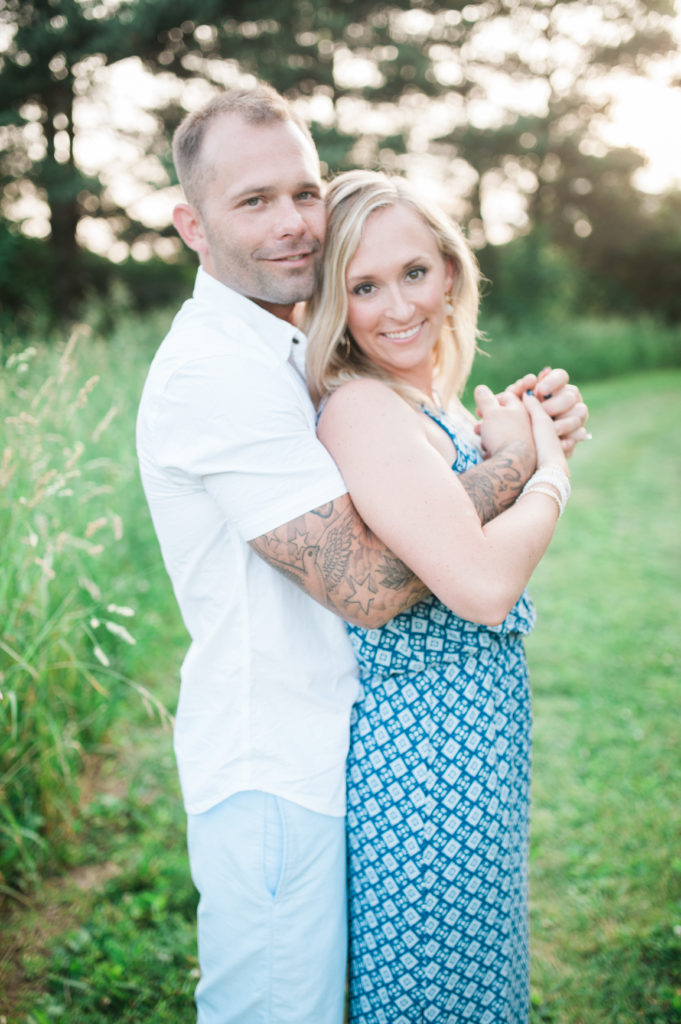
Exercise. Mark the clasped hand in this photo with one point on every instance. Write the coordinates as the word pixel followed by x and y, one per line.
pixel 561 400
pixel 509 418
pixel 503 421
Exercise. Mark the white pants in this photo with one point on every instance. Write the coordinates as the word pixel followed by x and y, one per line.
pixel 272 912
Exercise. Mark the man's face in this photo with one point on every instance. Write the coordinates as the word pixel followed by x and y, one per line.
pixel 261 211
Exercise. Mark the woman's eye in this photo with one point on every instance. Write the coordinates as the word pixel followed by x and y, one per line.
pixel 416 273
pixel 362 289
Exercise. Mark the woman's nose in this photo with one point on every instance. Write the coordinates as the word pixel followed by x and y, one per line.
pixel 398 306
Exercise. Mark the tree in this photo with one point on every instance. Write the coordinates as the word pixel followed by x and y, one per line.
pixel 537 98
pixel 500 92
pixel 51 49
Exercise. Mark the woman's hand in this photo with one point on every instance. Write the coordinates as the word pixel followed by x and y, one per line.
pixel 503 420
pixel 549 448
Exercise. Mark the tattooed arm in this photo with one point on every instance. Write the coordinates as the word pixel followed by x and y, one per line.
pixel 408 495
pixel 494 484
pixel 336 559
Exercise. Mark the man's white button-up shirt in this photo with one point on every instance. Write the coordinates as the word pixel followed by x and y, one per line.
pixel 228 451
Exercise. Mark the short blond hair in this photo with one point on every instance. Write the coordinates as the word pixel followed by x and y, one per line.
pixel 333 357
pixel 259 105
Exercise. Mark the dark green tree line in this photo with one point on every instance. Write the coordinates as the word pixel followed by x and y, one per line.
pixel 475 64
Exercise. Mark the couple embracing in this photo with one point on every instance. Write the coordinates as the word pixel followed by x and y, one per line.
pixel 349 548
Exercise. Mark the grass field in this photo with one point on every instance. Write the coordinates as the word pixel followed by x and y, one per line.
pixel 110 936
pixel 606 668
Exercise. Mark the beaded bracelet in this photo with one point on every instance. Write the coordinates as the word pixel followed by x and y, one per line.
pixel 556 479
pixel 548 491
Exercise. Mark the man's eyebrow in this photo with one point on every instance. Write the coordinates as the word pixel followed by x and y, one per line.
pixel 269 190
pixel 251 190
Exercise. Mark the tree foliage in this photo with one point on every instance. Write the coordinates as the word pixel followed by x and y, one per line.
pixel 501 97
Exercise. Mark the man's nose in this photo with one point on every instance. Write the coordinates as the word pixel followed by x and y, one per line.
pixel 290 220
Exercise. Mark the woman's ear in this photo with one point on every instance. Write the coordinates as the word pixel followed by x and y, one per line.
pixel 188 224
pixel 450 274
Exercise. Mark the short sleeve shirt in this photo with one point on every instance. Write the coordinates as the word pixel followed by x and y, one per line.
pixel 228 451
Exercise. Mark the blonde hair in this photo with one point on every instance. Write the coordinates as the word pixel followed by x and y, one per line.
pixel 259 105
pixel 333 357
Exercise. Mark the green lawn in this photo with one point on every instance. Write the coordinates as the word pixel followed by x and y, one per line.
pixel 112 939
pixel 605 664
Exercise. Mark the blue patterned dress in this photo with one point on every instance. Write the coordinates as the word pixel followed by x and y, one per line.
pixel 438 815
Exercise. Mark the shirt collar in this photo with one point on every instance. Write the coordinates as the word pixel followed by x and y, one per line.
pixel 277 334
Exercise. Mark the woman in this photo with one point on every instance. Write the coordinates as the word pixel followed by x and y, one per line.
pixel 438 770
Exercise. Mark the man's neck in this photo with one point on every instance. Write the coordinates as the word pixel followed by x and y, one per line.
pixel 283 312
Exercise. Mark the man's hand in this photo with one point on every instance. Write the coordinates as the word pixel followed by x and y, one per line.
pixel 561 400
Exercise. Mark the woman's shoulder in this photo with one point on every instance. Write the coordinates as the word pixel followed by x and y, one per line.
pixel 359 386
pixel 366 403
pixel 365 393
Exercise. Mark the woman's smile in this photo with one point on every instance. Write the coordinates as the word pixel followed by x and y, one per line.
pixel 404 335
pixel 397 283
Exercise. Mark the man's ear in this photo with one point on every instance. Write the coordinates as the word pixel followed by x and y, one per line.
pixel 188 224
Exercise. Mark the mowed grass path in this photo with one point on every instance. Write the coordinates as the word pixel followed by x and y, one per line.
pixel 605 664
pixel 606 833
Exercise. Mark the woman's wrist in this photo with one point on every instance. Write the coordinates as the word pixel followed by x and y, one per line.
pixel 552 481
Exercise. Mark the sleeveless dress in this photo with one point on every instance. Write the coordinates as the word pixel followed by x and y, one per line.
pixel 438 814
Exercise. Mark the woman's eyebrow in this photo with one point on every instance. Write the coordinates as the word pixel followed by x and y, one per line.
pixel 363 276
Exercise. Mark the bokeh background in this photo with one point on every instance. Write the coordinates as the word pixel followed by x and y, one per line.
pixel 551 122
pixel 551 131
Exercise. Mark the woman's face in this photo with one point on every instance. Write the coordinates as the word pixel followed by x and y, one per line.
pixel 396 284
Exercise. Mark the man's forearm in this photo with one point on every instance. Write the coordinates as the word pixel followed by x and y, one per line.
pixel 493 485
pixel 333 556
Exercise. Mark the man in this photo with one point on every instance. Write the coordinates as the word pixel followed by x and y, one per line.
pixel 262 544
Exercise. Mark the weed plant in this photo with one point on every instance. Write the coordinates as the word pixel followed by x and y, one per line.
pixel 71 580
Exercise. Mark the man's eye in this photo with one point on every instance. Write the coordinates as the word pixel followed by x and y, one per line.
pixel 253 201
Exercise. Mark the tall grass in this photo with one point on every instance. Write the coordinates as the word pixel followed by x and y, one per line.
pixel 605 890
pixel 74 568
pixel 80 555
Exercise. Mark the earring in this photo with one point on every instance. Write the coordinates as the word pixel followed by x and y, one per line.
pixel 347 346
pixel 449 308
